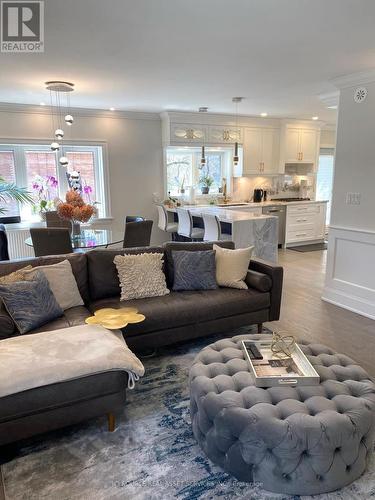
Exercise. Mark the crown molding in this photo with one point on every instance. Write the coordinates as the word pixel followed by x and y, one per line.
pixel 361 78
pixel 9 107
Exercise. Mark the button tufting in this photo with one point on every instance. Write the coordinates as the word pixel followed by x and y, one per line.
pixel 348 468
pixel 338 449
pixel 286 476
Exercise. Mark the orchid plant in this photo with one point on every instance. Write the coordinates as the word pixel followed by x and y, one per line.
pixel 45 193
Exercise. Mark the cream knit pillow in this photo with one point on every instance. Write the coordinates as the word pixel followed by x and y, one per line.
pixel 141 275
pixel 232 266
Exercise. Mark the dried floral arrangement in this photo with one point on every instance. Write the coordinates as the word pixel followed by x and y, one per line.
pixel 74 208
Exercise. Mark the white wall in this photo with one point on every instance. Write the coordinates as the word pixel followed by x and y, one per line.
pixel 350 280
pixel 134 154
pixel 328 138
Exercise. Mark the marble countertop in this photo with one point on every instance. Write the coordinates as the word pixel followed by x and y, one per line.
pixel 224 215
pixel 238 205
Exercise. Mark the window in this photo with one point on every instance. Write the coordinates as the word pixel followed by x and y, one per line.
pixel 26 163
pixel 8 173
pixel 324 181
pixel 183 168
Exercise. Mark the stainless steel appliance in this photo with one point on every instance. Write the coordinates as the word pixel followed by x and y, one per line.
pixel 278 211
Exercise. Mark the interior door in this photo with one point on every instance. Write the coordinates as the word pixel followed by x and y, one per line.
pixel 252 151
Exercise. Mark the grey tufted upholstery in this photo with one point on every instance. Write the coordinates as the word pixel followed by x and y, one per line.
pixel 296 440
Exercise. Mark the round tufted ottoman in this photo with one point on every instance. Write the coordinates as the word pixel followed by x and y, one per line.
pixel 298 440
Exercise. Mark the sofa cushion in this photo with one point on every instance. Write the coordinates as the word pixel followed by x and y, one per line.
pixel 175 246
pixel 72 317
pixel 188 308
pixel 102 273
pixel 194 270
pixel 78 262
pixel 30 303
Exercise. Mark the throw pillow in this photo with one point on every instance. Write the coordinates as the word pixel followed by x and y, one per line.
pixel 30 303
pixel 141 275
pixel 7 326
pixel 194 270
pixel 232 266
pixel 18 275
pixel 62 282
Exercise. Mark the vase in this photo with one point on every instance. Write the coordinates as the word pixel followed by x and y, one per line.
pixel 205 190
pixel 76 229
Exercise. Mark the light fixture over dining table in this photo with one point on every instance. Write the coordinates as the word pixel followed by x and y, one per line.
pixel 60 113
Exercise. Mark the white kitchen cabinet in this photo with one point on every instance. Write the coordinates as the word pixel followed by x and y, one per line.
pixel 300 145
pixel 224 135
pixel 305 223
pixel 260 151
pixel 188 133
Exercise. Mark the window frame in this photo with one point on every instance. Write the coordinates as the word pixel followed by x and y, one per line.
pixel 195 152
pixel 18 146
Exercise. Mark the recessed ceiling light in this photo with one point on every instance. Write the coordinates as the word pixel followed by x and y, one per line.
pixel 112 109
pixel 332 107
pixel 264 115
pixel 203 109
pixel 315 117
pixel 42 103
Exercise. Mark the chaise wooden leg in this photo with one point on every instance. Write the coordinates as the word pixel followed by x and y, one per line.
pixel 111 422
pixel 260 327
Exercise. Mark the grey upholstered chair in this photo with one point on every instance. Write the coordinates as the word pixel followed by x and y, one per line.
pixel 4 255
pixel 137 234
pixel 53 220
pixel 134 218
pixel 51 241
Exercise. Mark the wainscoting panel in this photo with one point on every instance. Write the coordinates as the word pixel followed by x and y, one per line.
pixel 16 244
pixel 350 277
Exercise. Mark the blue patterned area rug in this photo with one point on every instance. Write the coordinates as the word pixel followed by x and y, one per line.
pixel 152 455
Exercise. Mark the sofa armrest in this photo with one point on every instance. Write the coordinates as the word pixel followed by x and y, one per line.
pixel 260 281
pixel 275 273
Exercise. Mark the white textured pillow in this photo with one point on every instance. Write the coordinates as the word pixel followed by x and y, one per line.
pixel 62 283
pixel 232 266
pixel 141 275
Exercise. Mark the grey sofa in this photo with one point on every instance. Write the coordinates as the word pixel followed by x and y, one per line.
pixel 172 318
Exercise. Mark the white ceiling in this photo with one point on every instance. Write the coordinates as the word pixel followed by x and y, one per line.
pixel 153 55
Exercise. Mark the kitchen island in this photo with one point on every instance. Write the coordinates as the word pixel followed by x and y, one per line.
pixel 247 229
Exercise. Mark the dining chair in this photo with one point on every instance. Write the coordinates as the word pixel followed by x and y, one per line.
pixel 186 227
pixel 212 228
pixel 4 255
pixel 53 220
pixel 137 234
pixel 134 218
pixel 163 222
pixel 51 241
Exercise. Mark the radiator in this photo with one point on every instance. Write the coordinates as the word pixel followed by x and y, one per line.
pixel 17 247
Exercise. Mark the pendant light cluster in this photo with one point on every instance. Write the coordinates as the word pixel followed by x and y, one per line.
pixel 60 101
pixel 236 100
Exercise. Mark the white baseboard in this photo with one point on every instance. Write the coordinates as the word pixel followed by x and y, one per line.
pixel 350 277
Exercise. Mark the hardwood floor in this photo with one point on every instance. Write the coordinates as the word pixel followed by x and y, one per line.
pixel 306 316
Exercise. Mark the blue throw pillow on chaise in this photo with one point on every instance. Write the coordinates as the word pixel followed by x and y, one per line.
pixel 30 303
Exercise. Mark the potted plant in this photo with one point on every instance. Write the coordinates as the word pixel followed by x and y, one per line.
pixel 206 182
pixel 9 191
pixel 75 210
pixel 45 194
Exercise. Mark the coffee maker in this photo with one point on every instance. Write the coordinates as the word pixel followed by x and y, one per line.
pixel 258 195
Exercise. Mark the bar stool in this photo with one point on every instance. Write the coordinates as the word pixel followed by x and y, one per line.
pixel 185 225
pixel 163 223
pixel 212 229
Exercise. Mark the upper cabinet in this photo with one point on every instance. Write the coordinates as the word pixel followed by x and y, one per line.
pixel 224 135
pixel 188 133
pixel 260 151
pixel 299 145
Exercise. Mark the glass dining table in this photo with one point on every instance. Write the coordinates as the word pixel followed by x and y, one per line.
pixel 91 238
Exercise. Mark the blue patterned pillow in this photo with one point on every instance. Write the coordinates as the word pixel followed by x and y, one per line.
pixel 194 270
pixel 30 303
